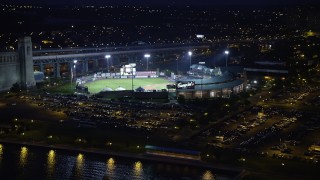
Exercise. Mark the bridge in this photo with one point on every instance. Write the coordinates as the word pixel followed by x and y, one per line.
pixel 265 70
pixel 62 60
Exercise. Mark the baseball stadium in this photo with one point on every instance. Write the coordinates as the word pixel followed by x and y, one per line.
pixel 199 82
pixel 126 83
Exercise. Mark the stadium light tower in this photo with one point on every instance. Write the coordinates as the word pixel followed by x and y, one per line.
pixel 202 63
pixel 147 56
pixel 226 52
pixel 107 57
pixel 131 66
pixel 74 69
pixel 190 54
pixel 177 67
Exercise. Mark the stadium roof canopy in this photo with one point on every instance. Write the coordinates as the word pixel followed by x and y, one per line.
pixel 228 79
pixel 217 86
pixel 140 89
pixel 226 76
pixel 120 88
pixel 106 89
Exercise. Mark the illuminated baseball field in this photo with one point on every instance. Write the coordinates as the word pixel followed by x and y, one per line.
pixel 146 83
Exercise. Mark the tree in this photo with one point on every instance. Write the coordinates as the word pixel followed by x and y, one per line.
pixel 15 88
pixel 181 99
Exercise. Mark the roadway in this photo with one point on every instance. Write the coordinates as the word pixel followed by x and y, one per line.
pixel 101 52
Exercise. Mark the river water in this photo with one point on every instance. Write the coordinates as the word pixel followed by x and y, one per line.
pixel 23 162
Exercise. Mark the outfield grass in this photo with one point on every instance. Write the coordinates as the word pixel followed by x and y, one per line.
pixel 146 83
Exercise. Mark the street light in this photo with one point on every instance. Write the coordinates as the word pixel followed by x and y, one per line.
pixel 226 53
pixel 107 57
pixel 190 54
pixel 147 56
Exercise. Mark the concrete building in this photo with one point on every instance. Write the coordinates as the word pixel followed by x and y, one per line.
pixel 17 67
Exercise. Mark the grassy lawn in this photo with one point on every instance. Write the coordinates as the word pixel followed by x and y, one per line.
pixel 60 133
pixel 65 88
pixel 147 83
pixel 97 86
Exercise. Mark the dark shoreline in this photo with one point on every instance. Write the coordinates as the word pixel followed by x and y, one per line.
pixel 232 171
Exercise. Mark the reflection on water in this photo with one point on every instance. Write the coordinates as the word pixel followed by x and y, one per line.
pixel 1 152
pixel 23 156
pixel 51 161
pixel 137 169
pixel 110 167
pixel 32 162
pixel 207 175
pixel 79 165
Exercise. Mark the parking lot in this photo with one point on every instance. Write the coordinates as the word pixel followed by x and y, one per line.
pixel 279 126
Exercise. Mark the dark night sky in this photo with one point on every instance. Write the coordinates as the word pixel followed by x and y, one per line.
pixel 167 2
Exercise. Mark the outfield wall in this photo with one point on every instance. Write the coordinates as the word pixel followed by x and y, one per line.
pixel 99 76
pixel 129 93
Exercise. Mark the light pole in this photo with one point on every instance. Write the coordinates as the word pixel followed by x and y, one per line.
pixel 74 68
pixel 147 56
pixel 190 54
pixel 202 63
pixel 107 57
pixel 226 53
pixel 132 79
pixel 177 66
